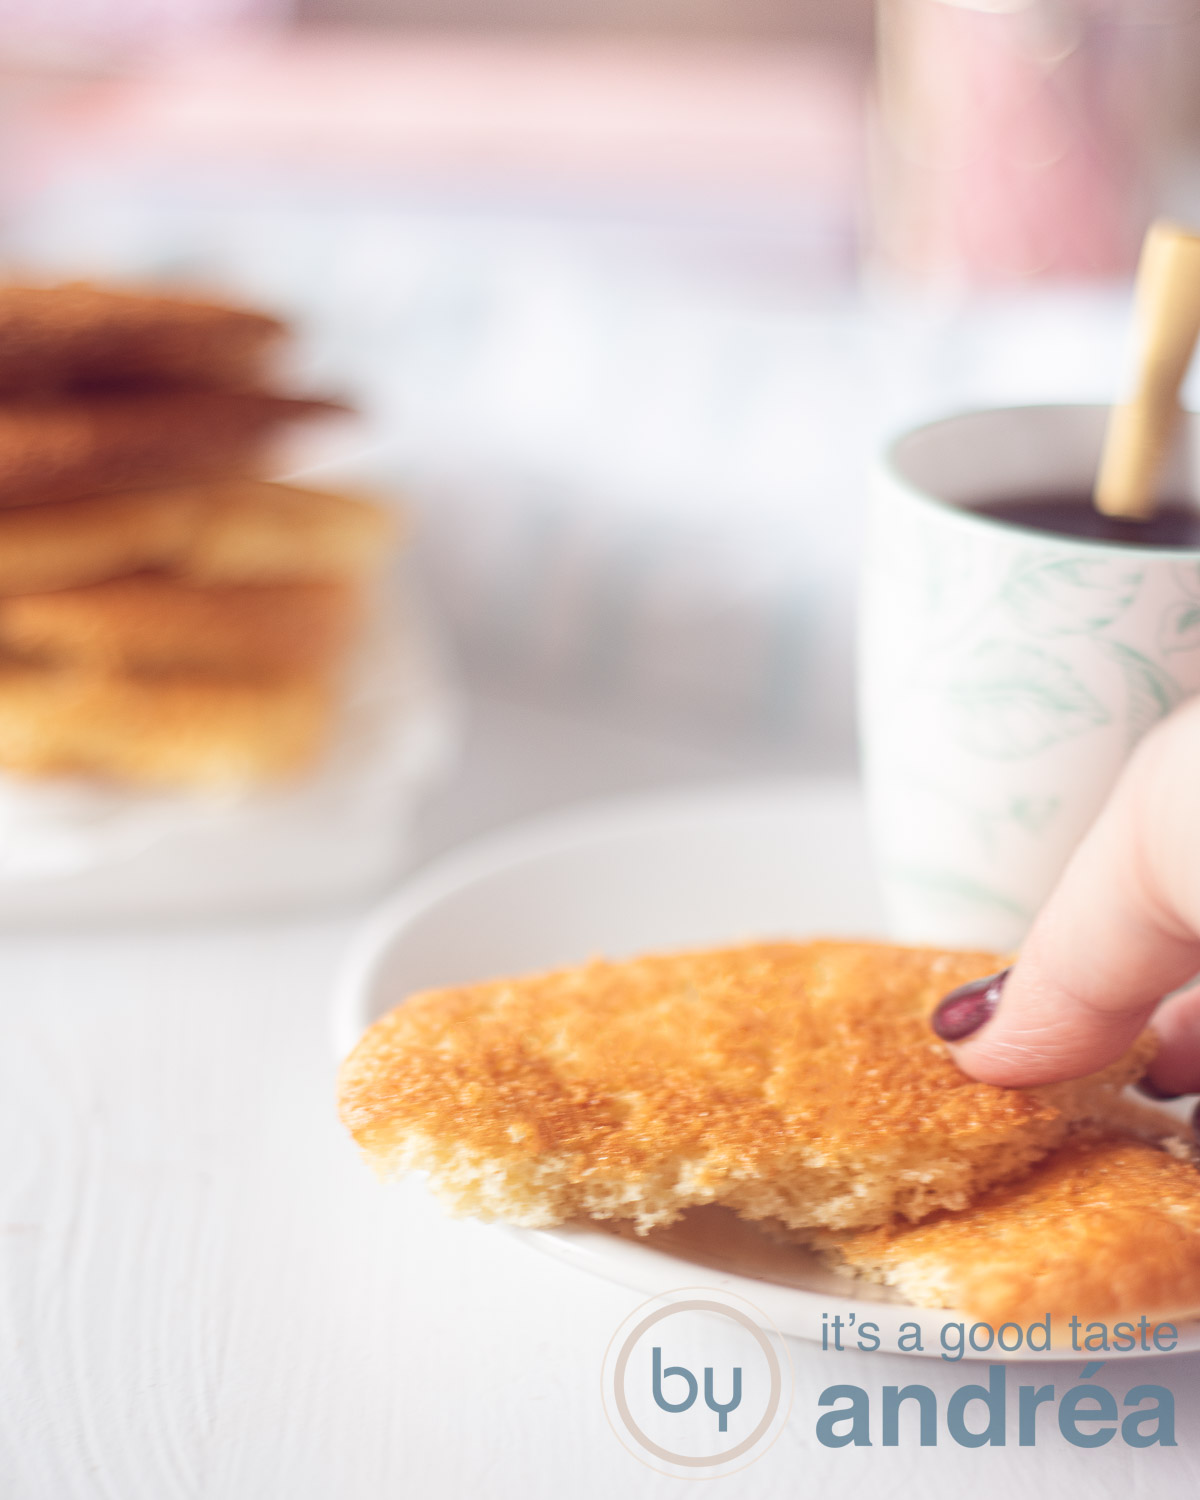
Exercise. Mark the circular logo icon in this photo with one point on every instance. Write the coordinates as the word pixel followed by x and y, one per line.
pixel 697 1383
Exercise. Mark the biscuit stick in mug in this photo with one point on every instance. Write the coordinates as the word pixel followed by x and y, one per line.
pixel 1140 432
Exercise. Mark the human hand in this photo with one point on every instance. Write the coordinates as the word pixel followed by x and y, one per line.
pixel 1120 930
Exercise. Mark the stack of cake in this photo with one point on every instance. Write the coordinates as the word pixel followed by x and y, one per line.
pixel 166 615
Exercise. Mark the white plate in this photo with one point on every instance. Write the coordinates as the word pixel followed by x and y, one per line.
pixel 619 878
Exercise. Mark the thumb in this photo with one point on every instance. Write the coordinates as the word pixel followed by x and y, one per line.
pixel 1120 930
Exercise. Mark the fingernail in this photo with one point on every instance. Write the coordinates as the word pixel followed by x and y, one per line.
pixel 1152 1090
pixel 965 1009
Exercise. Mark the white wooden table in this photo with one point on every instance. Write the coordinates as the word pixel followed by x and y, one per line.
pixel 204 1293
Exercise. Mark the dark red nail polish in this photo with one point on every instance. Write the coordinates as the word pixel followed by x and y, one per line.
pixel 1152 1090
pixel 964 1010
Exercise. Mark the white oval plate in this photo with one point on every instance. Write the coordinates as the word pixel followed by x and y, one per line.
pixel 638 875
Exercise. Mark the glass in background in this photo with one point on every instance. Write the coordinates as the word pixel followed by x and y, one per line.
pixel 1018 139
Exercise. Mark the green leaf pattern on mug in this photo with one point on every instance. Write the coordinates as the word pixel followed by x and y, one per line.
pixel 1034 813
pixel 1180 627
pixel 1188 575
pixel 1008 667
pixel 952 883
pixel 1150 693
pixel 1070 596
pixel 1008 683
pixel 1008 700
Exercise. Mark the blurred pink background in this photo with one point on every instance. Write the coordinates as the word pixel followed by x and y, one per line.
pixel 628 300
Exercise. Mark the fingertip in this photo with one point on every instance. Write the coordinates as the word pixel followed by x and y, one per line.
pixel 1175 1070
pixel 1022 1029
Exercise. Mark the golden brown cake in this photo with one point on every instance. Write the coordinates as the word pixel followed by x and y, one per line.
pixel 166 617
pixel 227 531
pixel 55 337
pixel 46 547
pixel 153 622
pixel 173 730
pixel 62 449
pixel 248 531
pixel 794 1081
pixel 1104 1228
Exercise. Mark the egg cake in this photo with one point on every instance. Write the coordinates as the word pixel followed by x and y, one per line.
pixel 57 337
pixel 791 1081
pixel 61 449
pixel 226 531
pixel 1104 1228
pixel 171 730
pixel 154 622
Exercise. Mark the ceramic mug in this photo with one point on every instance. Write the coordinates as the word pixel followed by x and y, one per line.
pixel 1006 673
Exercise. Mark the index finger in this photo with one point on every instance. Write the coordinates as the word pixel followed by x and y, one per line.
pixel 1120 930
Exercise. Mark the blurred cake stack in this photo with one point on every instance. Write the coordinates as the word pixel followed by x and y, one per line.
pixel 167 616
